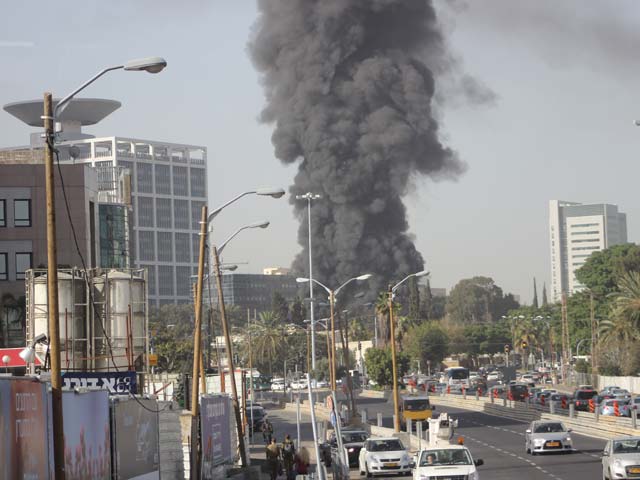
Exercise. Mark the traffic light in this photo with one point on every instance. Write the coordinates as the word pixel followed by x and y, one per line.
pixel 524 345
pixel 507 348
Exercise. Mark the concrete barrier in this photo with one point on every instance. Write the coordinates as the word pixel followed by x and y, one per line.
pixel 386 394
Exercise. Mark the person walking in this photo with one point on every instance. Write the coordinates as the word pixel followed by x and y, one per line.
pixel 288 456
pixel 302 461
pixel 273 459
pixel 267 431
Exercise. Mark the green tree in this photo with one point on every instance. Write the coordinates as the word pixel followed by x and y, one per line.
pixel 171 335
pixel 379 365
pixel 267 335
pixel 544 295
pixel 298 311
pixel 428 342
pixel 280 307
pixel 427 304
pixel 535 294
pixel 602 269
pixel 414 300
pixel 382 312
pixel 478 300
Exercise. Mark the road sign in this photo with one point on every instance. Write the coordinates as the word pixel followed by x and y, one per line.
pixel 152 359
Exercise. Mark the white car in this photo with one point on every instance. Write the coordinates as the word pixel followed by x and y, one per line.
pixel 278 386
pixel 299 384
pixel 384 455
pixel 451 461
pixel 621 458
pixel 547 436
pixel 494 376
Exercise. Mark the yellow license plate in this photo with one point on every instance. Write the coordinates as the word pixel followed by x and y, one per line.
pixel 553 444
pixel 634 470
pixel 390 464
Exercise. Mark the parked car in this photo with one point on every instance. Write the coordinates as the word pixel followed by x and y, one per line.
pixel 300 384
pixel 352 442
pixel 621 393
pixel 322 384
pixel 581 399
pixel 278 386
pixel 606 390
pixel 608 407
pixel 384 455
pixel 545 436
pixel 621 458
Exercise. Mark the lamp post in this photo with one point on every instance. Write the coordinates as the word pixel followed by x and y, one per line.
pixel 391 294
pixel 151 65
pixel 309 197
pixel 332 299
pixel 227 337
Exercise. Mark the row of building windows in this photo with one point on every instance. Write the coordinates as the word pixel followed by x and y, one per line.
pixel 586 232
pixel 165 241
pixel 186 181
pixel 21 213
pixel 577 225
pixel 585 248
pixel 160 213
pixel 165 276
pixel 586 240
pixel 23 260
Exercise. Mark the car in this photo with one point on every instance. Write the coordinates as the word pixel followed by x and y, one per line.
pixel 581 399
pixel 352 442
pixel 384 455
pixel 547 436
pixel 621 393
pixel 322 384
pixel 299 384
pixel 256 416
pixel 606 390
pixel 278 385
pixel 621 458
pixel 450 461
pixel 608 407
pixel 635 403
pixel 494 377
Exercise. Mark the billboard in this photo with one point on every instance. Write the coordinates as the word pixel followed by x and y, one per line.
pixel 215 425
pixel 25 434
pixel 87 449
pixel 114 382
pixel 136 439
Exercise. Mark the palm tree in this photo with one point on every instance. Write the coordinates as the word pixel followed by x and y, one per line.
pixel 267 338
pixel 382 312
pixel 627 303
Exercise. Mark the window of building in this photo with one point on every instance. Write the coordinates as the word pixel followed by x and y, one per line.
pixel 163 179
pixel 183 251
pixel 22 213
pixel 195 242
pixel 23 263
pixel 145 212
pixel 151 279
pixel 3 213
pixel 165 280
pixel 144 175
pixel 163 212
pixel 165 247
pixel 181 214
pixel 196 214
pixel 586 232
pixel 585 225
pixel 183 282
pixel 3 266
pixel 180 181
pixel 146 246
pixel 198 179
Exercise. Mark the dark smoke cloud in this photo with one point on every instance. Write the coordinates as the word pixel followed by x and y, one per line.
pixel 350 87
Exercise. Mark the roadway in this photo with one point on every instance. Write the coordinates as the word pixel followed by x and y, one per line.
pixel 498 441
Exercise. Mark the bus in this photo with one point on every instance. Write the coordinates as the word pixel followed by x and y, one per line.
pixel 457 377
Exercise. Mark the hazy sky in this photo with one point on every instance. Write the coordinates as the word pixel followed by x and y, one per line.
pixel 565 75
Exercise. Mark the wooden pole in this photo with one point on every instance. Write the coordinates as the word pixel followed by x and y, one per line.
pixel 52 294
pixel 229 346
pixel 332 352
pixel 197 352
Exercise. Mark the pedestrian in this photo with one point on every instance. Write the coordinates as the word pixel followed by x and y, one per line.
pixel 267 431
pixel 273 459
pixel 288 456
pixel 302 461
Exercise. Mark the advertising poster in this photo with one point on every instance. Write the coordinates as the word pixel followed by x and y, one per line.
pixel 87 449
pixel 215 419
pixel 137 439
pixel 114 382
pixel 24 430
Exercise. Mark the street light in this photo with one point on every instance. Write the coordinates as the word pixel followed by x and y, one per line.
pixel 266 192
pixel 332 299
pixel 227 338
pixel 152 65
pixel 309 197
pixel 391 294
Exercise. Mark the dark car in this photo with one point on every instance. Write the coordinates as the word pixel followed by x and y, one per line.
pixel 518 392
pixel 258 414
pixel 581 399
pixel 352 441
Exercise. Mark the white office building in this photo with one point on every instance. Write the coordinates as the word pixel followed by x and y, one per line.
pixel 168 188
pixel 576 231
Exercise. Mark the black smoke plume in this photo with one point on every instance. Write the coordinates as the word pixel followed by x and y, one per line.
pixel 350 85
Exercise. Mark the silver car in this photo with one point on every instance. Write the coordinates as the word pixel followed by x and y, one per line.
pixel 621 458
pixel 546 436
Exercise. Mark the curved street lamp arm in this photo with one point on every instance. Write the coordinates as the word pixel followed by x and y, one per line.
pixel 335 294
pixel 221 207
pixel 62 104
pixel 322 285
pixel 231 237
pixel 394 288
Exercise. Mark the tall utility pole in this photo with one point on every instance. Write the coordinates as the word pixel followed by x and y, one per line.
pixel 332 350
pixel 566 345
pixel 308 197
pixel 594 340
pixel 229 346
pixel 52 294
pixel 194 458
pixel 392 331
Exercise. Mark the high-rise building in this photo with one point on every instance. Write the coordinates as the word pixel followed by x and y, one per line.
pixel 254 290
pixel 167 191
pixel 576 231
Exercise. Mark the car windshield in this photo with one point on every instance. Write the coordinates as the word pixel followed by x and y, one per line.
pixel 414 405
pixel 385 446
pixel 354 437
pixel 459 374
pixel 585 395
pixel 626 446
pixel 549 428
pixel 518 388
pixel 452 456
